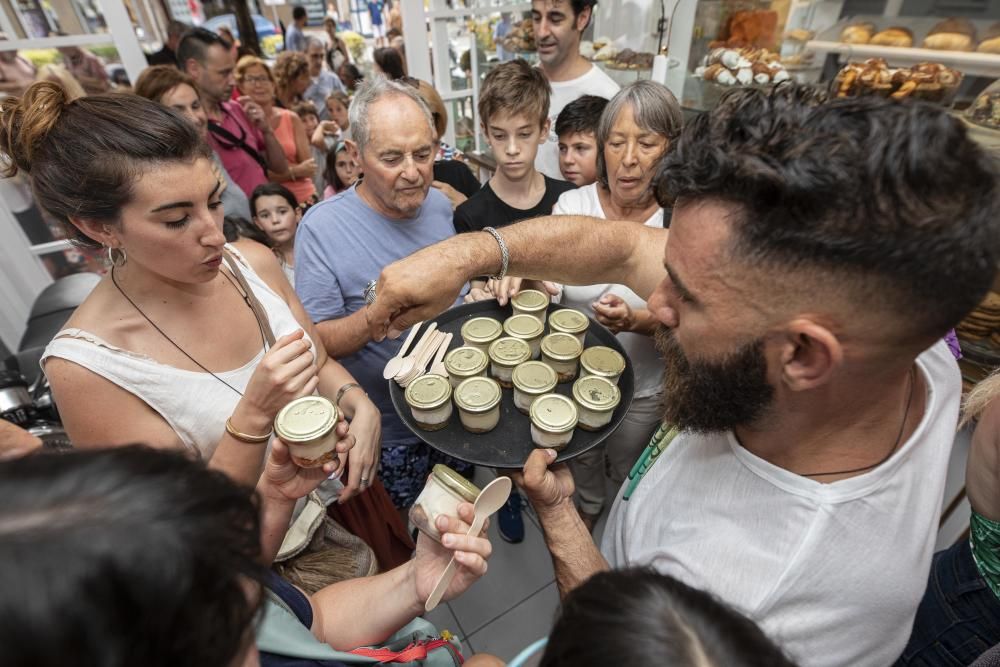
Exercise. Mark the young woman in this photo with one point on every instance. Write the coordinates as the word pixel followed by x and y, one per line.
pixel 169 349
pixel 341 171
pixel 336 53
pixel 255 80
pixel 277 214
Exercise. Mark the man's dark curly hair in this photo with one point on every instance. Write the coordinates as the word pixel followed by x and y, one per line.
pixel 892 200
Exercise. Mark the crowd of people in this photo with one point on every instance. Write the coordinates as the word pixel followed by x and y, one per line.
pixel 782 271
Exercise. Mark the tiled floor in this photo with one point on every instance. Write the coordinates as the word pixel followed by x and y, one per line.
pixel 515 603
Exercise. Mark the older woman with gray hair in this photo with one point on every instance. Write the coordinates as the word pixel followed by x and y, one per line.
pixel 633 135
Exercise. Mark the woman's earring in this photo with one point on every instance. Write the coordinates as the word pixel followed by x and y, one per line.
pixel 117 256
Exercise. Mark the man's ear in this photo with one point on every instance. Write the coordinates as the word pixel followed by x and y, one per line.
pixel 583 18
pixel 101 232
pixel 810 354
pixel 544 136
pixel 192 68
pixel 352 148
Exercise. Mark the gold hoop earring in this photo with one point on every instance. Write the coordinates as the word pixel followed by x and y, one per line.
pixel 117 259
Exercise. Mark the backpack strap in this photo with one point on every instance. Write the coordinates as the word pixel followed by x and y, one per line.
pixel 220 131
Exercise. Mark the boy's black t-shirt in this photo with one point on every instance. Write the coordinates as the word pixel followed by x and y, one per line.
pixel 485 209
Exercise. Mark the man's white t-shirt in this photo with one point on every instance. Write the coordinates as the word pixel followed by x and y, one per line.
pixel 594 82
pixel 641 349
pixel 831 572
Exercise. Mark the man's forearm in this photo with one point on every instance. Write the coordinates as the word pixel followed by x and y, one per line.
pixel 274 153
pixel 575 557
pixel 345 335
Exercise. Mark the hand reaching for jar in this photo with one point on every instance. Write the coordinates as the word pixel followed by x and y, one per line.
pixel 509 287
pixel 613 312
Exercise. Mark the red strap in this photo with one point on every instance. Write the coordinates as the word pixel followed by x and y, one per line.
pixel 415 651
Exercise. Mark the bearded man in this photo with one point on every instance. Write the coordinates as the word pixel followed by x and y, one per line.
pixel 817 254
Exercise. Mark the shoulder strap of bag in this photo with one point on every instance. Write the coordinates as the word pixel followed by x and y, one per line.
pixel 251 298
pixel 217 129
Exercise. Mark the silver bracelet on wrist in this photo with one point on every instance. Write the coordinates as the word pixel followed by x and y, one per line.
pixel 504 253
pixel 346 388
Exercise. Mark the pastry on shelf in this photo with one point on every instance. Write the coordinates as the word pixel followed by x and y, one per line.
pixel 896 36
pixel 752 28
pixel 985 110
pixel 926 81
pixel 954 34
pixel 629 59
pixel 744 67
pixel 991 40
pixel 587 49
pixel 606 52
pixel 858 33
pixel 800 35
pixel 521 38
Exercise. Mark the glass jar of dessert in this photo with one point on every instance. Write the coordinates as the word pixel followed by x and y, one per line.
pixel 307 426
pixel 528 328
pixel 531 380
pixel 481 332
pixel 596 399
pixel 478 401
pixel 603 362
pixel 505 355
pixel 531 302
pixel 465 362
pixel 562 352
pixel 444 491
pixel 429 398
pixel 570 321
pixel 553 418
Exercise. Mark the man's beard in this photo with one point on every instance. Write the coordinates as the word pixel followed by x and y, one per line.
pixel 710 395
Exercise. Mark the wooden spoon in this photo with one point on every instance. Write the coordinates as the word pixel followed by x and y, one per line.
pixel 409 361
pixel 393 366
pixel 438 367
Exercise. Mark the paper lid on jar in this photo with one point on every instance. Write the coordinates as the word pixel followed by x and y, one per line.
pixel 509 351
pixel 530 299
pixel 455 482
pixel 481 330
pixel 596 393
pixel 553 413
pixel 523 326
pixel 602 360
pixel 463 361
pixel 561 346
pixel 305 418
pixel 568 320
pixel 477 394
pixel 428 392
pixel 534 377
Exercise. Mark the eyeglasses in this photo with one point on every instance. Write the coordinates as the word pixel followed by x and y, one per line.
pixel 256 79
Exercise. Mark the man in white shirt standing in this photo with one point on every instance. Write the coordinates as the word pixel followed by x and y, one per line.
pixel 817 254
pixel 559 25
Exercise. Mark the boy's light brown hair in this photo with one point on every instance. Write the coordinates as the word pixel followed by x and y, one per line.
pixel 514 87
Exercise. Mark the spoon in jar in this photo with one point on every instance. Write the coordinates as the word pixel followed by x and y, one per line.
pixel 490 500
pixel 394 365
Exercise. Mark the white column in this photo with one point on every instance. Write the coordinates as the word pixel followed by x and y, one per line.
pixel 679 34
pixel 23 278
pixel 418 53
pixel 120 27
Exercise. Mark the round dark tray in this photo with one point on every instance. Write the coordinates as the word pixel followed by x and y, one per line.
pixel 508 445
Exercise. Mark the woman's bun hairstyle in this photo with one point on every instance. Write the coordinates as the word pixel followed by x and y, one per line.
pixel 27 121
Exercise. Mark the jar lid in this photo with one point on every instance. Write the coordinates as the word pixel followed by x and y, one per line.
pixel 510 351
pixel 534 377
pixel 305 418
pixel 596 393
pixel 602 360
pixel 477 394
pixel 561 347
pixel 481 330
pixel 465 361
pixel 428 392
pixel 553 413
pixel 455 483
pixel 523 326
pixel 530 299
pixel 568 320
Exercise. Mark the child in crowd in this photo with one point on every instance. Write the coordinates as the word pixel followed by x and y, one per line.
pixel 514 113
pixel 276 211
pixel 576 127
pixel 341 170
pixel 336 105
pixel 316 130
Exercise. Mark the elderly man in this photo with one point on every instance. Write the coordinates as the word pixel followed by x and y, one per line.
pixel 345 241
pixel 816 256
pixel 237 131
pixel 324 81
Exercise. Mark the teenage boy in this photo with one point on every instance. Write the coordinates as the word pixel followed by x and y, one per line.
pixel 576 128
pixel 513 112
pixel 559 26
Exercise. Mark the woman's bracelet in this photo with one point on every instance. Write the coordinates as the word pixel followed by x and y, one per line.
pixel 343 390
pixel 244 437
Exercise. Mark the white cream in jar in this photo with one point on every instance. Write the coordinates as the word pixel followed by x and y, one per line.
pixel 562 352
pixel 531 302
pixel 603 362
pixel 505 355
pixel 480 332
pixel 429 398
pixel 307 425
pixel 531 380
pixel 444 491
pixel 478 402
pixel 465 362
pixel 568 320
pixel 596 399
pixel 528 328
pixel 553 418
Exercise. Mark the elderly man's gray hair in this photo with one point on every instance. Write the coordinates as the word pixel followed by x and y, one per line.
pixel 654 108
pixel 313 40
pixel 371 90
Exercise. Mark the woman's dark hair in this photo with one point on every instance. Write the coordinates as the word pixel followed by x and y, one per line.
pixel 125 556
pixel 889 202
pixel 350 75
pixel 330 172
pixel 84 157
pixel 271 190
pixel 156 81
pixel 235 227
pixel 390 62
pixel 640 617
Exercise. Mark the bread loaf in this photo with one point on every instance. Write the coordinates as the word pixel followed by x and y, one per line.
pixel 895 36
